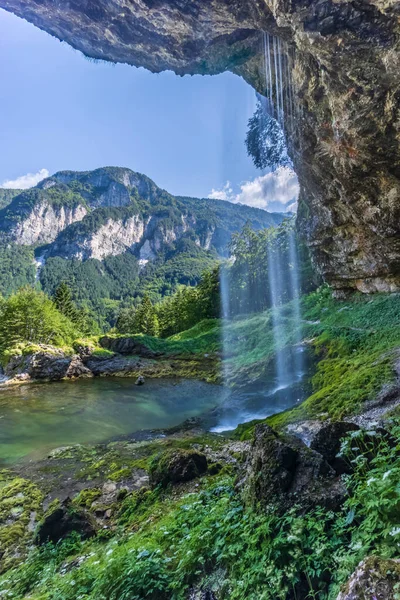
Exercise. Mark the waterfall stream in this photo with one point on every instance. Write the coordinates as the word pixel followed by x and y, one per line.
pixel 281 388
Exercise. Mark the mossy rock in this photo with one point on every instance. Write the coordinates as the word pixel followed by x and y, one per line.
pixel 176 466
pixel 374 578
pixel 62 521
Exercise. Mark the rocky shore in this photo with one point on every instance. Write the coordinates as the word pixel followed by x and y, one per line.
pixel 116 357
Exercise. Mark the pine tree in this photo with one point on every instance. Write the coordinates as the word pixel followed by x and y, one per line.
pixel 145 319
pixel 65 304
pixel 63 301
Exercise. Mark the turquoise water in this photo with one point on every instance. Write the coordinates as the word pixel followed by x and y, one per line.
pixel 34 419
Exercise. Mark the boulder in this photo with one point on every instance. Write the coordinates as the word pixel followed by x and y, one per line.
pixel 127 345
pixel 282 471
pixel 140 380
pixel 63 520
pixel 374 579
pixel 48 363
pixel 176 466
pixel 327 442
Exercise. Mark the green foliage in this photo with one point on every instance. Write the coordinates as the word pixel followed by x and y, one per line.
pixel 189 306
pixel 142 320
pixel 248 279
pixel 30 316
pixel 166 543
pixel 16 268
pixel 64 303
pixel 6 196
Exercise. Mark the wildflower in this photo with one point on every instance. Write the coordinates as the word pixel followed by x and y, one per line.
pixel 395 531
pixel 385 475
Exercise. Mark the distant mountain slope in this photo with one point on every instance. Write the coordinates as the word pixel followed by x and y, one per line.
pixel 114 233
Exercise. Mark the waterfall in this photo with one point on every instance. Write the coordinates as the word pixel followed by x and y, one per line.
pixel 275 286
pixel 279 88
pixel 279 288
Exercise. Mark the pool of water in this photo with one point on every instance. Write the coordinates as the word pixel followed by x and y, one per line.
pixel 35 419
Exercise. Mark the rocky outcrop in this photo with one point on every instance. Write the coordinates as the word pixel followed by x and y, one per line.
pixel 62 521
pixel 282 472
pixel 132 359
pixel 341 96
pixel 48 363
pixel 127 345
pixel 375 578
pixel 177 466
pixel 327 442
pixel 137 233
pixel 44 223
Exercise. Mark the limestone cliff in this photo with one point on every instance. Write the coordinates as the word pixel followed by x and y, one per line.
pixel 112 210
pixel 341 69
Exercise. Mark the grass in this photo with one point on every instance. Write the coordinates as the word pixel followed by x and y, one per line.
pixel 202 338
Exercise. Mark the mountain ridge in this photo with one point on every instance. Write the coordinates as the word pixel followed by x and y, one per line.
pixel 113 234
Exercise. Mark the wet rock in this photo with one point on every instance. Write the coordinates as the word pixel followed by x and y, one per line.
pixel 176 466
pixel 374 579
pixel 62 521
pixel 283 472
pixel 140 380
pixel 328 441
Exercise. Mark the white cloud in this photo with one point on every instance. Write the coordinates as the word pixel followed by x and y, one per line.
pixel 276 191
pixel 25 181
pixel 224 194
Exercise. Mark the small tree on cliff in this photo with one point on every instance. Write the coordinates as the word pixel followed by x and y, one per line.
pixel 145 319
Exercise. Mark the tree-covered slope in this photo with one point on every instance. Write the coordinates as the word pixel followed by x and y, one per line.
pixel 114 235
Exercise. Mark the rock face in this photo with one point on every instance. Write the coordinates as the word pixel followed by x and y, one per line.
pixel 45 222
pixel 61 522
pixel 341 96
pixel 375 579
pixel 47 363
pixel 112 211
pixel 177 466
pixel 127 345
pixel 328 441
pixel 282 472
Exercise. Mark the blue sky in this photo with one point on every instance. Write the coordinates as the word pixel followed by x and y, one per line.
pixel 58 110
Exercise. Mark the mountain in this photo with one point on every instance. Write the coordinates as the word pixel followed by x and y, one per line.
pixel 113 234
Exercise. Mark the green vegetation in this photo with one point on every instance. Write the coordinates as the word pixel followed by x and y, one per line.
pixel 105 287
pixel 6 196
pixel 16 268
pixel 30 317
pixel 167 541
pixel 177 313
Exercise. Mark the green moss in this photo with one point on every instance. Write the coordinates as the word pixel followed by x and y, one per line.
pixel 87 497
pixel 20 503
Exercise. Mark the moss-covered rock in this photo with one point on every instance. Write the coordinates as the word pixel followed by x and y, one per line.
pixel 281 471
pixel 176 466
pixel 63 520
pixel 374 579
pixel 20 507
